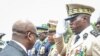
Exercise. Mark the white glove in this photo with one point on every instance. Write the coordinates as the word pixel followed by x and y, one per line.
pixel 61 28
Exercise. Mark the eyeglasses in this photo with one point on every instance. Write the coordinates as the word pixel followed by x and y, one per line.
pixel 35 34
pixel 25 32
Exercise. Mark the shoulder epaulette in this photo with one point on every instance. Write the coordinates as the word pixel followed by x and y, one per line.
pixel 94 33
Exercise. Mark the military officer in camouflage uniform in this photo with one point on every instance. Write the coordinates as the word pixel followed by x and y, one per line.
pixel 52 30
pixel 41 47
pixel 82 43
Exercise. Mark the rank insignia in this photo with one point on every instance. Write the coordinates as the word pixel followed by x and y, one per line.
pixel 94 33
pixel 85 36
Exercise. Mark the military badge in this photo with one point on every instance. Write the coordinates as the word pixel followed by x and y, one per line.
pixel 94 33
pixel 77 52
pixel 42 50
pixel 85 36
pixel 33 50
pixel 81 52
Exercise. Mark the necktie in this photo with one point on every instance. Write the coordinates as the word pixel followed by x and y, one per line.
pixel 77 38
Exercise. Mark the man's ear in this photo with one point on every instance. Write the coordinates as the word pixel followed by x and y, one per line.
pixel 29 35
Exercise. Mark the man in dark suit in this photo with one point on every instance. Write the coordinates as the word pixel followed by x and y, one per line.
pixel 23 39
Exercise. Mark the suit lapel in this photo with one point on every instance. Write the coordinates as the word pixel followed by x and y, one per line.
pixel 13 44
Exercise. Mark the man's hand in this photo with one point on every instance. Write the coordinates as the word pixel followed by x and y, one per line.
pixel 61 28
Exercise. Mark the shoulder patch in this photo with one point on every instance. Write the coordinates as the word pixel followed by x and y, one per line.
pixel 94 33
pixel 85 36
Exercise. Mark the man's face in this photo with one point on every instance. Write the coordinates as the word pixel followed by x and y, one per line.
pixel 98 26
pixel 76 24
pixel 50 37
pixel 42 35
pixel 32 37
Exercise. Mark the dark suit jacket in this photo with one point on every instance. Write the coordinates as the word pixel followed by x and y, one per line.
pixel 13 49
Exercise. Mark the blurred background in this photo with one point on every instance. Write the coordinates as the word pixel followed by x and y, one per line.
pixel 38 11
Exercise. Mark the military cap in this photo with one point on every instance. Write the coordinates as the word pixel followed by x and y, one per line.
pixel 52 25
pixel 43 28
pixel 98 21
pixel 74 10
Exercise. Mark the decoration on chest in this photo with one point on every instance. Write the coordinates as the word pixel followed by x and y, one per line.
pixel 85 36
pixel 42 50
pixel 33 50
pixel 81 52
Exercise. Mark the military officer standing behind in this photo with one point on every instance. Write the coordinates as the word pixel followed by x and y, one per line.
pixel 52 30
pixel 81 44
pixel 96 44
pixel 41 47
pixel 98 25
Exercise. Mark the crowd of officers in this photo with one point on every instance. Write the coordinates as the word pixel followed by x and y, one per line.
pixel 28 40
pixel 45 45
